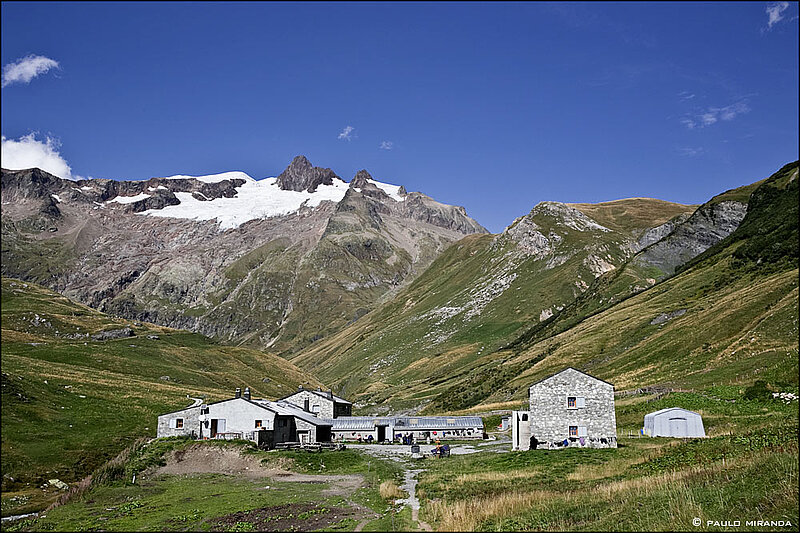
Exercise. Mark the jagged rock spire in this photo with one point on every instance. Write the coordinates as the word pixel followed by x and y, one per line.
pixel 360 179
pixel 300 175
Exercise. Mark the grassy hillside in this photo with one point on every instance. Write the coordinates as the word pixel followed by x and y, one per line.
pixel 632 215
pixel 731 316
pixel 727 319
pixel 71 401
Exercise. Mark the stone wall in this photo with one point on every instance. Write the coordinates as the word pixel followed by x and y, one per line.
pixel 325 405
pixel 551 416
pixel 191 424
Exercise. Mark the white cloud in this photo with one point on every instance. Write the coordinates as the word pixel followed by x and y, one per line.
pixel 27 68
pixel 386 145
pixel 685 95
pixel 712 115
pixel 775 13
pixel 347 133
pixel 28 152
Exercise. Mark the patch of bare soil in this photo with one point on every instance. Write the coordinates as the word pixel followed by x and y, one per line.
pixel 200 459
pixel 289 517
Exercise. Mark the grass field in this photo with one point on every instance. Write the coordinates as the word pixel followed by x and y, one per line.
pixel 71 402
pixel 219 502
pixel 746 470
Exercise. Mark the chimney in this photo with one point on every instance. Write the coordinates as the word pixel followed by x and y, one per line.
pixel 300 388
pixel 330 394
pixel 247 393
pixel 238 393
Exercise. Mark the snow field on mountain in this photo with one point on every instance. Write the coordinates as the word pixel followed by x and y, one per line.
pixel 254 200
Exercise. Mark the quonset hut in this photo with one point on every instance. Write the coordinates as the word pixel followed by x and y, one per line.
pixel 674 422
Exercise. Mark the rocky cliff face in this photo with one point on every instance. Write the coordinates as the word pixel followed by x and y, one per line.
pixel 278 262
pixel 711 223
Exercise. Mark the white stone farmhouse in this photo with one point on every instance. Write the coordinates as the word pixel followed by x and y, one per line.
pixel 242 417
pixel 568 409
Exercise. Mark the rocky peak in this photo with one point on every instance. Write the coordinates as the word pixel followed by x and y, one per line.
pixel 300 175
pixel 361 179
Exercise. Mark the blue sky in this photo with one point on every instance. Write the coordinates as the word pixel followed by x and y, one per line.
pixel 492 106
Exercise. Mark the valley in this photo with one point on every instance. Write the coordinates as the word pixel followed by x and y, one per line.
pixel 401 308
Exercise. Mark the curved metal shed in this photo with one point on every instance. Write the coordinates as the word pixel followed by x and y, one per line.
pixel 674 422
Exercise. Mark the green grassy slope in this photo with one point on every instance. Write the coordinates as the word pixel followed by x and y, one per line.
pixel 727 319
pixel 476 297
pixel 70 401
pixel 731 316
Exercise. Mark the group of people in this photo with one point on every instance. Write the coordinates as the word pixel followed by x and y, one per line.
pixel 581 441
pixel 408 438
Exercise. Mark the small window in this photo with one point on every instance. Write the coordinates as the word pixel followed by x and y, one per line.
pixel 573 431
pixel 282 423
pixel 580 402
pixel 525 417
pixel 259 423
pixel 582 432
pixel 315 409
pixel 179 423
pixel 571 402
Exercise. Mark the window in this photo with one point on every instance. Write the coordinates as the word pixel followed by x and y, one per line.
pixel 576 402
pixel 573 431
pixel 582 431
pixel 315 409
pixel 282 423
pixel 176 423
pixel 525 417
pixel 258 424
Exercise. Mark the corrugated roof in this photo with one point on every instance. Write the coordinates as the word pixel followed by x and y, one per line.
pixel 416 423
pixel 671 409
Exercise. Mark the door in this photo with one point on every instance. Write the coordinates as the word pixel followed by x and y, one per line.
pixel 213 427
pixel 678 427
pixel 381 433
pixel 303 437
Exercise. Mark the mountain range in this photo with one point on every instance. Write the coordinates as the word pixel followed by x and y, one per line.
pixel 245 261
pixel 401 302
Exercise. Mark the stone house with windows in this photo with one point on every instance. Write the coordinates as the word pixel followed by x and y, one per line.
pixel 568 409
pixel 323 404
pixel 243 417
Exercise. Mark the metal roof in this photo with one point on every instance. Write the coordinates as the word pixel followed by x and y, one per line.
pixel 660 411
pixel 416 423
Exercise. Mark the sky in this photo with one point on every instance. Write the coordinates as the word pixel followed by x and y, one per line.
pixel 493 106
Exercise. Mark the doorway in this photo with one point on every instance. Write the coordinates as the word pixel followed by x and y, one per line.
pixel 381 433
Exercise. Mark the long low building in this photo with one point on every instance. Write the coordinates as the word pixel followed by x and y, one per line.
pixel 295 418
pixel 380 429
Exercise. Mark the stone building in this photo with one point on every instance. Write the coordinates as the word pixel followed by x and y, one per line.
pixel 323 404
pixel 242 417
pixel 568 409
